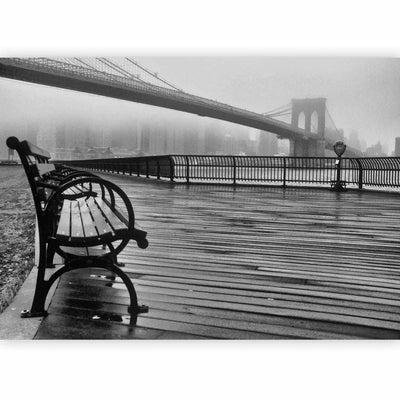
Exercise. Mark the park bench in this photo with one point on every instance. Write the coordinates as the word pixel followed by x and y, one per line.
pixel 81 217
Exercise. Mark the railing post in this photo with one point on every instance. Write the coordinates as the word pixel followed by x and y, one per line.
pixel 147 167
pixel 284 172
pixel 158 169
pixel 360 174
pixel 234 170
pixel 171 168
pixel 187 170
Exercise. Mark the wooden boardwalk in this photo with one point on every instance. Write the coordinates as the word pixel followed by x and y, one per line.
pixel 244 263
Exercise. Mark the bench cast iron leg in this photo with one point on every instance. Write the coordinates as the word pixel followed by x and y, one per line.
pixel 134 309
pixel 51 251
pixel 43 287
pixel 38 304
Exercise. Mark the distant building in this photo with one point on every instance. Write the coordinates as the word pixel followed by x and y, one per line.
pixel 397 147
pixel 268 144
pixel 46 139
pixel 375 150
pixel 283 147
pixel 99 152
pixel 83 153
pixel 354 141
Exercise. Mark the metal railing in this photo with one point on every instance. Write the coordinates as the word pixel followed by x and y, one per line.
pixel 356 172
pixel 156 166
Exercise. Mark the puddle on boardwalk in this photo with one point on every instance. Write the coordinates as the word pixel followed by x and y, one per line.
pixel 116 285
pixel 111 281
pixel 124 319
pixel 109 277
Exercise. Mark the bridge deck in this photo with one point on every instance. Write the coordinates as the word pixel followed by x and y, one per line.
pixel 245 263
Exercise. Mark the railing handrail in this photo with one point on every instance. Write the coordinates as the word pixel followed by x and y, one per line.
pixel 370 171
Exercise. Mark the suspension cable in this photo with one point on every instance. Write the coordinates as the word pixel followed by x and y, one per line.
pixel 85 64
pixel 152 74
pixel 278 109
pixel 119 69
pixel 278 113
pixel 331 119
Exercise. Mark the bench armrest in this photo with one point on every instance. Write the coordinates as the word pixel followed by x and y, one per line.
pixel 47 185
pixel 85 193
pixel 72 175
pixel 140 237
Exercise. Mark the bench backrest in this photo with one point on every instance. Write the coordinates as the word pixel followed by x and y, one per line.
pixel 36 165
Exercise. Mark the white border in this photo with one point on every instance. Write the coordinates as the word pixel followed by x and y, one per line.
pixel 199 370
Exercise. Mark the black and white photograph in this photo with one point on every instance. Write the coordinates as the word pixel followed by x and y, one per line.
pixel 157 197
pixel 162 214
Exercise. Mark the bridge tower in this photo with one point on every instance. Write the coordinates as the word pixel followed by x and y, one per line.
pixel 309 109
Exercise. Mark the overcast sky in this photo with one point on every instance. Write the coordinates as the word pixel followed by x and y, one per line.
pixel 362 94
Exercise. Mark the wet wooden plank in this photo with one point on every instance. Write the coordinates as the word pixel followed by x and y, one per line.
pixel 285 301
pixel 251 263
pixel 97 299
pixel 212 330
pixel 66 327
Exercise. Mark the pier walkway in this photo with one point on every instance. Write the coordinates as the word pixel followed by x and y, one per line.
pixel 244 263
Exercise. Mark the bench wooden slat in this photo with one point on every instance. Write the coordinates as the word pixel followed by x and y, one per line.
pixel 45 168
pixel 75 190
pixel 121 213
pixel 77 251
pixel 96 251
pixel 112 219
pixel 68 192
pixel 83 188
pixel 71 190
pixel 103 228
pixel 87 221
pixel 64 225
pixel 76 222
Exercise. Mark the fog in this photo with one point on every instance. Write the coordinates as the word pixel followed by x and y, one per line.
pixel 362 94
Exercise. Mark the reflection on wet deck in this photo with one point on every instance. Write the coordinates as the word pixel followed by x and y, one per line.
pixel 245 263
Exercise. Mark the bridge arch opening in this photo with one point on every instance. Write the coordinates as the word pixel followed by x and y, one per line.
pixel 314 122
pixel 301 122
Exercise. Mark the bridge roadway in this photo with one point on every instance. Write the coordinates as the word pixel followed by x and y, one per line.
pixel 245 263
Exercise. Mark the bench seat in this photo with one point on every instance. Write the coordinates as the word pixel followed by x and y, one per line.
pixel 89 220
